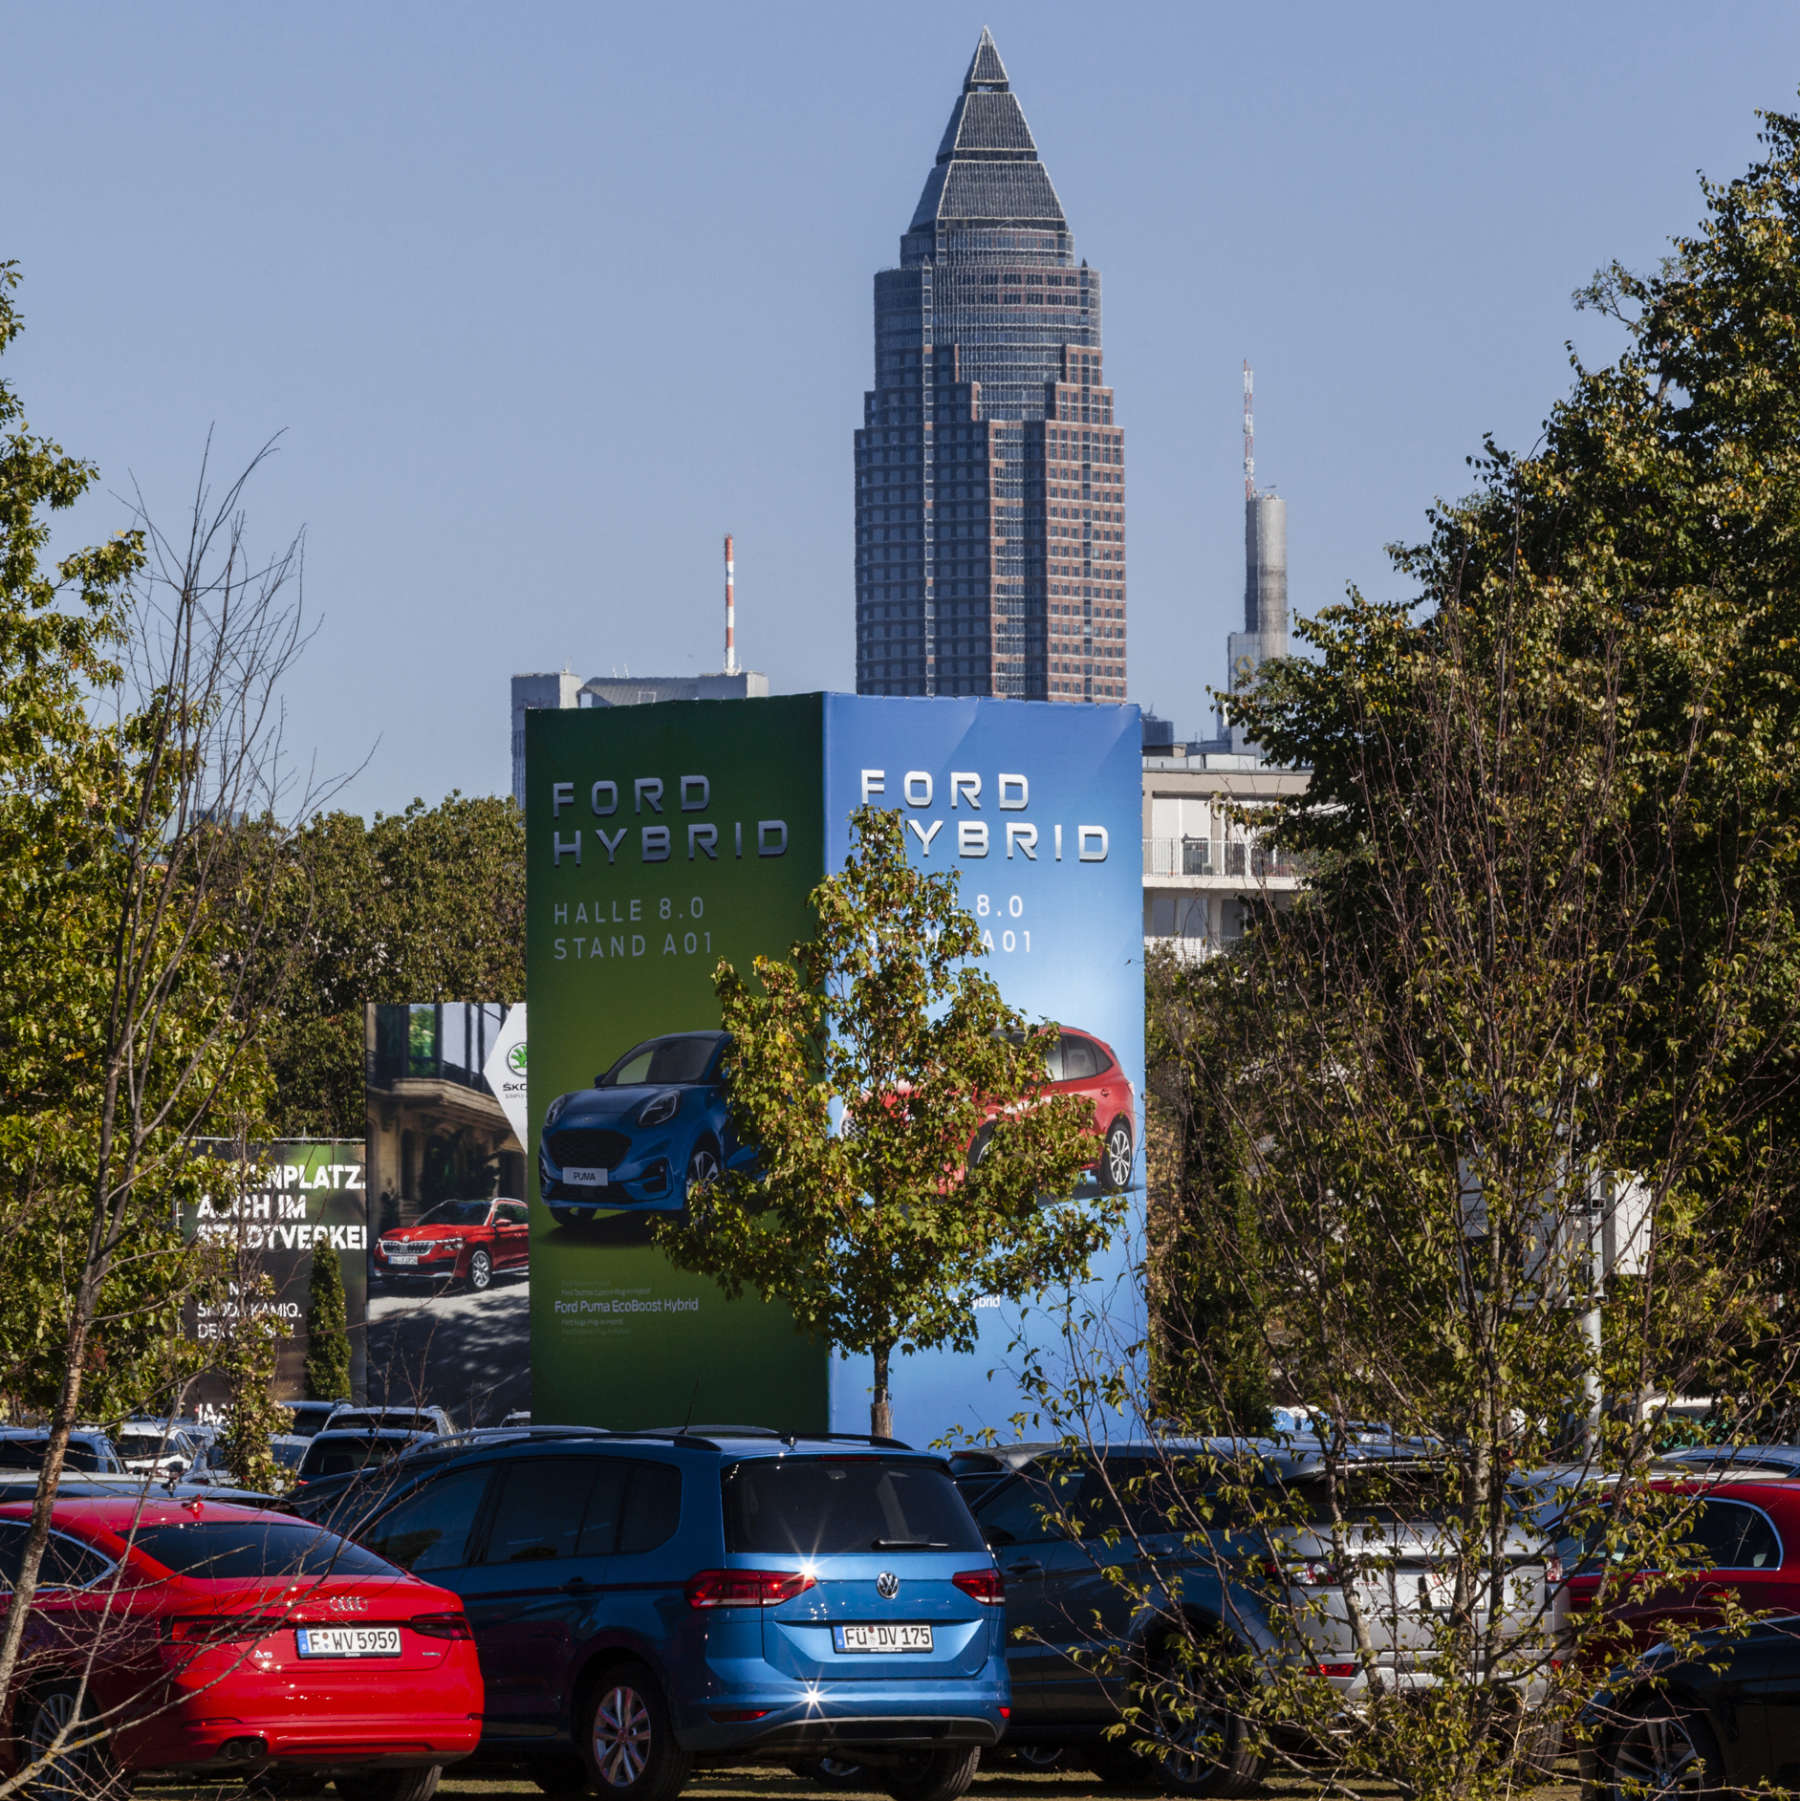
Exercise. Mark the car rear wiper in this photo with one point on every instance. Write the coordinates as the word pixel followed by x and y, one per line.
pixel 910 1544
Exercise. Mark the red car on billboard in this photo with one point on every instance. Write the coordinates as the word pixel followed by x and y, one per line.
pixel 1079 1064
pixel 457 1241
pixel 225 1640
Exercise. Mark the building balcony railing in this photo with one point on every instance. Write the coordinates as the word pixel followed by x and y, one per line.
pixel 434 1041
pixel 1234 858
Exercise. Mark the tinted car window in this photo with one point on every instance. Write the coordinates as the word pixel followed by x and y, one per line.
pixel 12 1551
pixel 652 1507
pixel 336 1456
pixel 515 1213
pixel 671 1060
pixel 1373 1494
pixel 1023 1513
pixel 1731 1536
pixel 70 1564
pixel 605 1504
pixel 1080 1059
pixel 235 1549
pixel 381 1419
pixel 820 1506
pixel 541 1508
pixel 430 1529
pixel 154 1444
pixel 28 1454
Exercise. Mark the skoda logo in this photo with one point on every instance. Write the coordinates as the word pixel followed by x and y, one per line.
pixel 887 1585
pixel 515 1059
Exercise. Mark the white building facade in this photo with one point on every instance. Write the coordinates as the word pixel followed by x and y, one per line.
pixel 1203 856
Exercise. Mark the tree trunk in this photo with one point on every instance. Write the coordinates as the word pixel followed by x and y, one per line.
pixel 881 1406
pixel 56 1445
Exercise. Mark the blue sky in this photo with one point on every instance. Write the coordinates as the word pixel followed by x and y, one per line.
pixel 547 298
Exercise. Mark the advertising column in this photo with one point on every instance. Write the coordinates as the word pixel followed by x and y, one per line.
pixel 1037 808
pixel 659 839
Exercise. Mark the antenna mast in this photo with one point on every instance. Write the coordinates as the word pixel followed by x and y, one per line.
pixel 1249 434
pixel 730 609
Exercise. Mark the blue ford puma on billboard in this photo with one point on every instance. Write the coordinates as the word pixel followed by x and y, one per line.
pixel 653 1125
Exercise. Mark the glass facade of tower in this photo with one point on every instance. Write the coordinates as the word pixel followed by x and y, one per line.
pixel 990 497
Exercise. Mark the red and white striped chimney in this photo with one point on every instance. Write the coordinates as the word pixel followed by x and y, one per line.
pixel 730 609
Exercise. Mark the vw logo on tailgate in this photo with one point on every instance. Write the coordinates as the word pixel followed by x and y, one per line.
pixel 887 1585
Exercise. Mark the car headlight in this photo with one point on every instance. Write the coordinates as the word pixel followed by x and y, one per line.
pixel 658 1108
pixel 448 1244
pixel 556 1110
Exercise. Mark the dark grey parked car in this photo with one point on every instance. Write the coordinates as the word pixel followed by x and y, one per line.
pixel 1064 1611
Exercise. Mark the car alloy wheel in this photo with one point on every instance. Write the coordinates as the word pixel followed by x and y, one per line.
pixel 630 1746
pixel 622 1736
pixel 703 1166
pixel 481 1271
pixel 1117 1160
pixel 73 1772
pixel 1200 1743
pixel 1662 1756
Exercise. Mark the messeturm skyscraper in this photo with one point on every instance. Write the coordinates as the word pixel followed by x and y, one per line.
pixel 990 477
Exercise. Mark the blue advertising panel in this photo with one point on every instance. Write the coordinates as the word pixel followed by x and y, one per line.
pixel 1037 808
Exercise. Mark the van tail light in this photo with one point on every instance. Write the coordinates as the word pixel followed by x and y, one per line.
pixel 1334 1669
pixel 441 1625
pixel 221 1628
pixel 745 1588
pixel 985 1586
pixel 1553 1570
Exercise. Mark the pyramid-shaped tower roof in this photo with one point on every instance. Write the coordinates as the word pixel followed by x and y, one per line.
pixel 987 170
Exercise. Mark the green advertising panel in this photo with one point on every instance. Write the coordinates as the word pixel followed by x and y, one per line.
pixel 659 839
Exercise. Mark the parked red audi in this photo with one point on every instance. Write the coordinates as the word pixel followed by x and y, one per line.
pixel 457 1241
pixel 225 1640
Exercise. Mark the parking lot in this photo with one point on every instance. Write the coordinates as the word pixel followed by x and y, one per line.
pixel 772 1783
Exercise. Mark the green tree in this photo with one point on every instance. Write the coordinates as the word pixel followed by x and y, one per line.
pixel 906 1144
pixel 1548 951
pixel 424 905
pixel 137 716
pixel 252 1414
pixel 327 1329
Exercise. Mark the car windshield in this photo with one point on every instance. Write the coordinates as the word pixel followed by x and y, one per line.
pixel 333 1457
pixel 381 1419
pixel 28 1454
pixel 456 1213
pixel 146 1441
pixel 235 1549
pixel 824 1506
pixel 287 1452
pixel 663 1060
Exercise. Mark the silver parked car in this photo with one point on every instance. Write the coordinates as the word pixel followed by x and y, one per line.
pixel 1112 1559
pixel 159 1448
